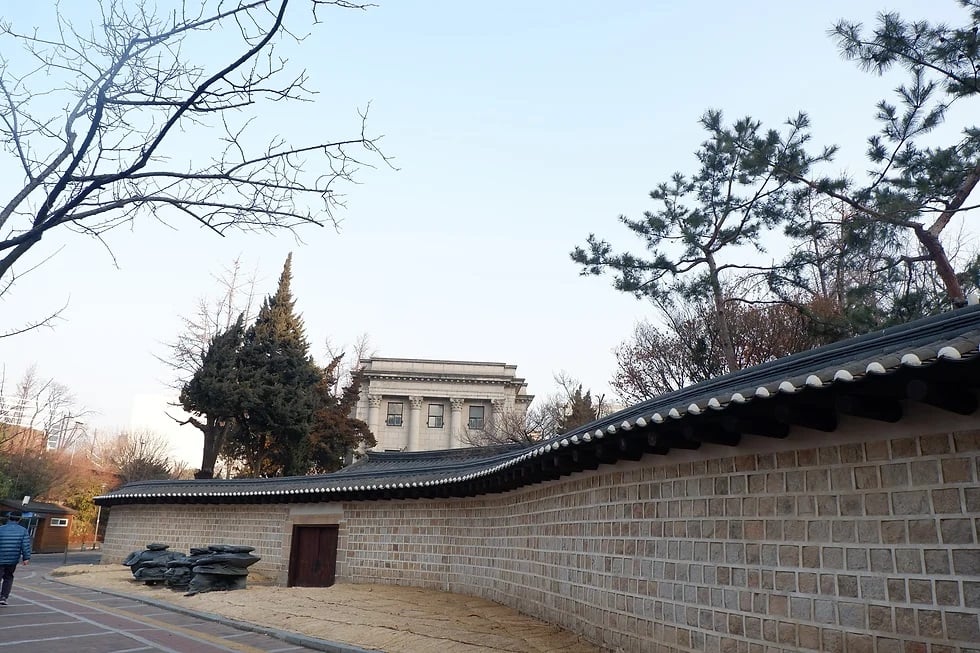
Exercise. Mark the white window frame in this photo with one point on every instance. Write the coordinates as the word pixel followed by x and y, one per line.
pixel 58 521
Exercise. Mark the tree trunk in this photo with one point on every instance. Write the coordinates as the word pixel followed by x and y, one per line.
pixel 945 270
pixel 724 330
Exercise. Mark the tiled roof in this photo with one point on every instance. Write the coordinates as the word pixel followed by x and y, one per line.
pixel 933 360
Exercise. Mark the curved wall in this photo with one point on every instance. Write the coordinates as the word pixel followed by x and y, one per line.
pixel 868 542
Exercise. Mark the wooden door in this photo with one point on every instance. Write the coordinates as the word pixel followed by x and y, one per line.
pixel 313 556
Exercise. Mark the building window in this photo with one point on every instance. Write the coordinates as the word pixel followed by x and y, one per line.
pixel 56 521
pixel 476 417
pixel 394 413
pixel 436 412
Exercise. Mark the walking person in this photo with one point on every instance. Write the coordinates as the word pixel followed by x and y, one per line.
pixel 15 545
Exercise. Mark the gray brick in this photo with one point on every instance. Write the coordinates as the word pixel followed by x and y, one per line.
pixel 923 531
pixel 847 586
pixel 895 475
pixel 908 561
pixel 800 607
pixel 866 478
pixel 934 444
pixel 967 441
pixel 911 503
pixel 873 588
pixel 930 623
pixel 893 532
pixel 876 503
pixel 937 561
pixel 853 615
pixel 843 531
pixel 851 505
pixel 963 627
pixel 880 618
pixel 924 472
pixel 947 501
pixel 957 470
pixel 817 480
pixel 947 592
pixel 956 531
pixel 857 559
pixel 833 557
pixel 920 591
pixel 971 594
pixel 882 560
pixel 966 562
pixel 824 612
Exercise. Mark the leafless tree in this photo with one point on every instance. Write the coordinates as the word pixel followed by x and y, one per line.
pixel 35 408
pixel 542 419
pixel 138 456
pixel 686 349
pixel 212 315
pixel 538 422
pixel 350 357
pixel 137 114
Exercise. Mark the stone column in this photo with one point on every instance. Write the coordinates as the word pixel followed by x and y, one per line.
pixel 455 424
pixel 374 413
pixel 497 414
pixel 414 422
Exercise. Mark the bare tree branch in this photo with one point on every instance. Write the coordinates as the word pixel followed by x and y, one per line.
pixel 136 90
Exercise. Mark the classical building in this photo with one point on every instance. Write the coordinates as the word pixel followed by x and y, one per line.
pixel 422 405
pixel 826 501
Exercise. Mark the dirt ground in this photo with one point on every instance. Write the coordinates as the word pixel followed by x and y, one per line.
pixel 383 617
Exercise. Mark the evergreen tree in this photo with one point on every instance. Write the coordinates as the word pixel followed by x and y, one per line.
pixel 696 238
pixel 335 435
pixel 277 380
pixel 579 411
pixel 915 188
pixel 212 396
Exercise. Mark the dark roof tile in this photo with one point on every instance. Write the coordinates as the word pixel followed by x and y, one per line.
pixel 952 338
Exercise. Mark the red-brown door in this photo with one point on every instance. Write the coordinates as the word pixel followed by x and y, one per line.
pixel 313 558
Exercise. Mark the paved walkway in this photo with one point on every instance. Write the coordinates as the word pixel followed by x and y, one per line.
pixel 50 617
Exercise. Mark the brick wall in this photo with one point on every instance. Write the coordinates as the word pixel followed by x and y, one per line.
pixel 867 543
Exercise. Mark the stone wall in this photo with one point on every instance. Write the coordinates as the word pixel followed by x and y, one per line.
pixel 131 528
pixel 868 542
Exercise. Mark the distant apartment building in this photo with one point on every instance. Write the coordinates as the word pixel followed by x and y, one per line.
pixel 423 405
pixel 27 423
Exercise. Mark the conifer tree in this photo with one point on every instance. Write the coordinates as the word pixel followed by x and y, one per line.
pixel 703 222
pixel 915 187
pixel 277 380
pixel 335 435
pixel 212 395
pixel 579 411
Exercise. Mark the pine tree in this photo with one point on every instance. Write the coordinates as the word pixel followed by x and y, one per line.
pixel 212 396
pixel 915 188
pixel 579 411
pixel 704 222
pixel 277 394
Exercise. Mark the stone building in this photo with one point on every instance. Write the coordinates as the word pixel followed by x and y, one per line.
pixel 421 405
pixel 827 501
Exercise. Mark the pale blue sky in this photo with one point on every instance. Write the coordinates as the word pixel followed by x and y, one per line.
pixel 517 128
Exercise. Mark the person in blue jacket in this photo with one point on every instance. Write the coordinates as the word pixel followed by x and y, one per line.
pixel 15 545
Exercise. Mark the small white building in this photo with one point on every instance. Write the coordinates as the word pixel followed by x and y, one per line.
pixel 412 404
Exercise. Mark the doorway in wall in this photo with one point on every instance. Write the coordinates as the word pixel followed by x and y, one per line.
pixel 313 556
